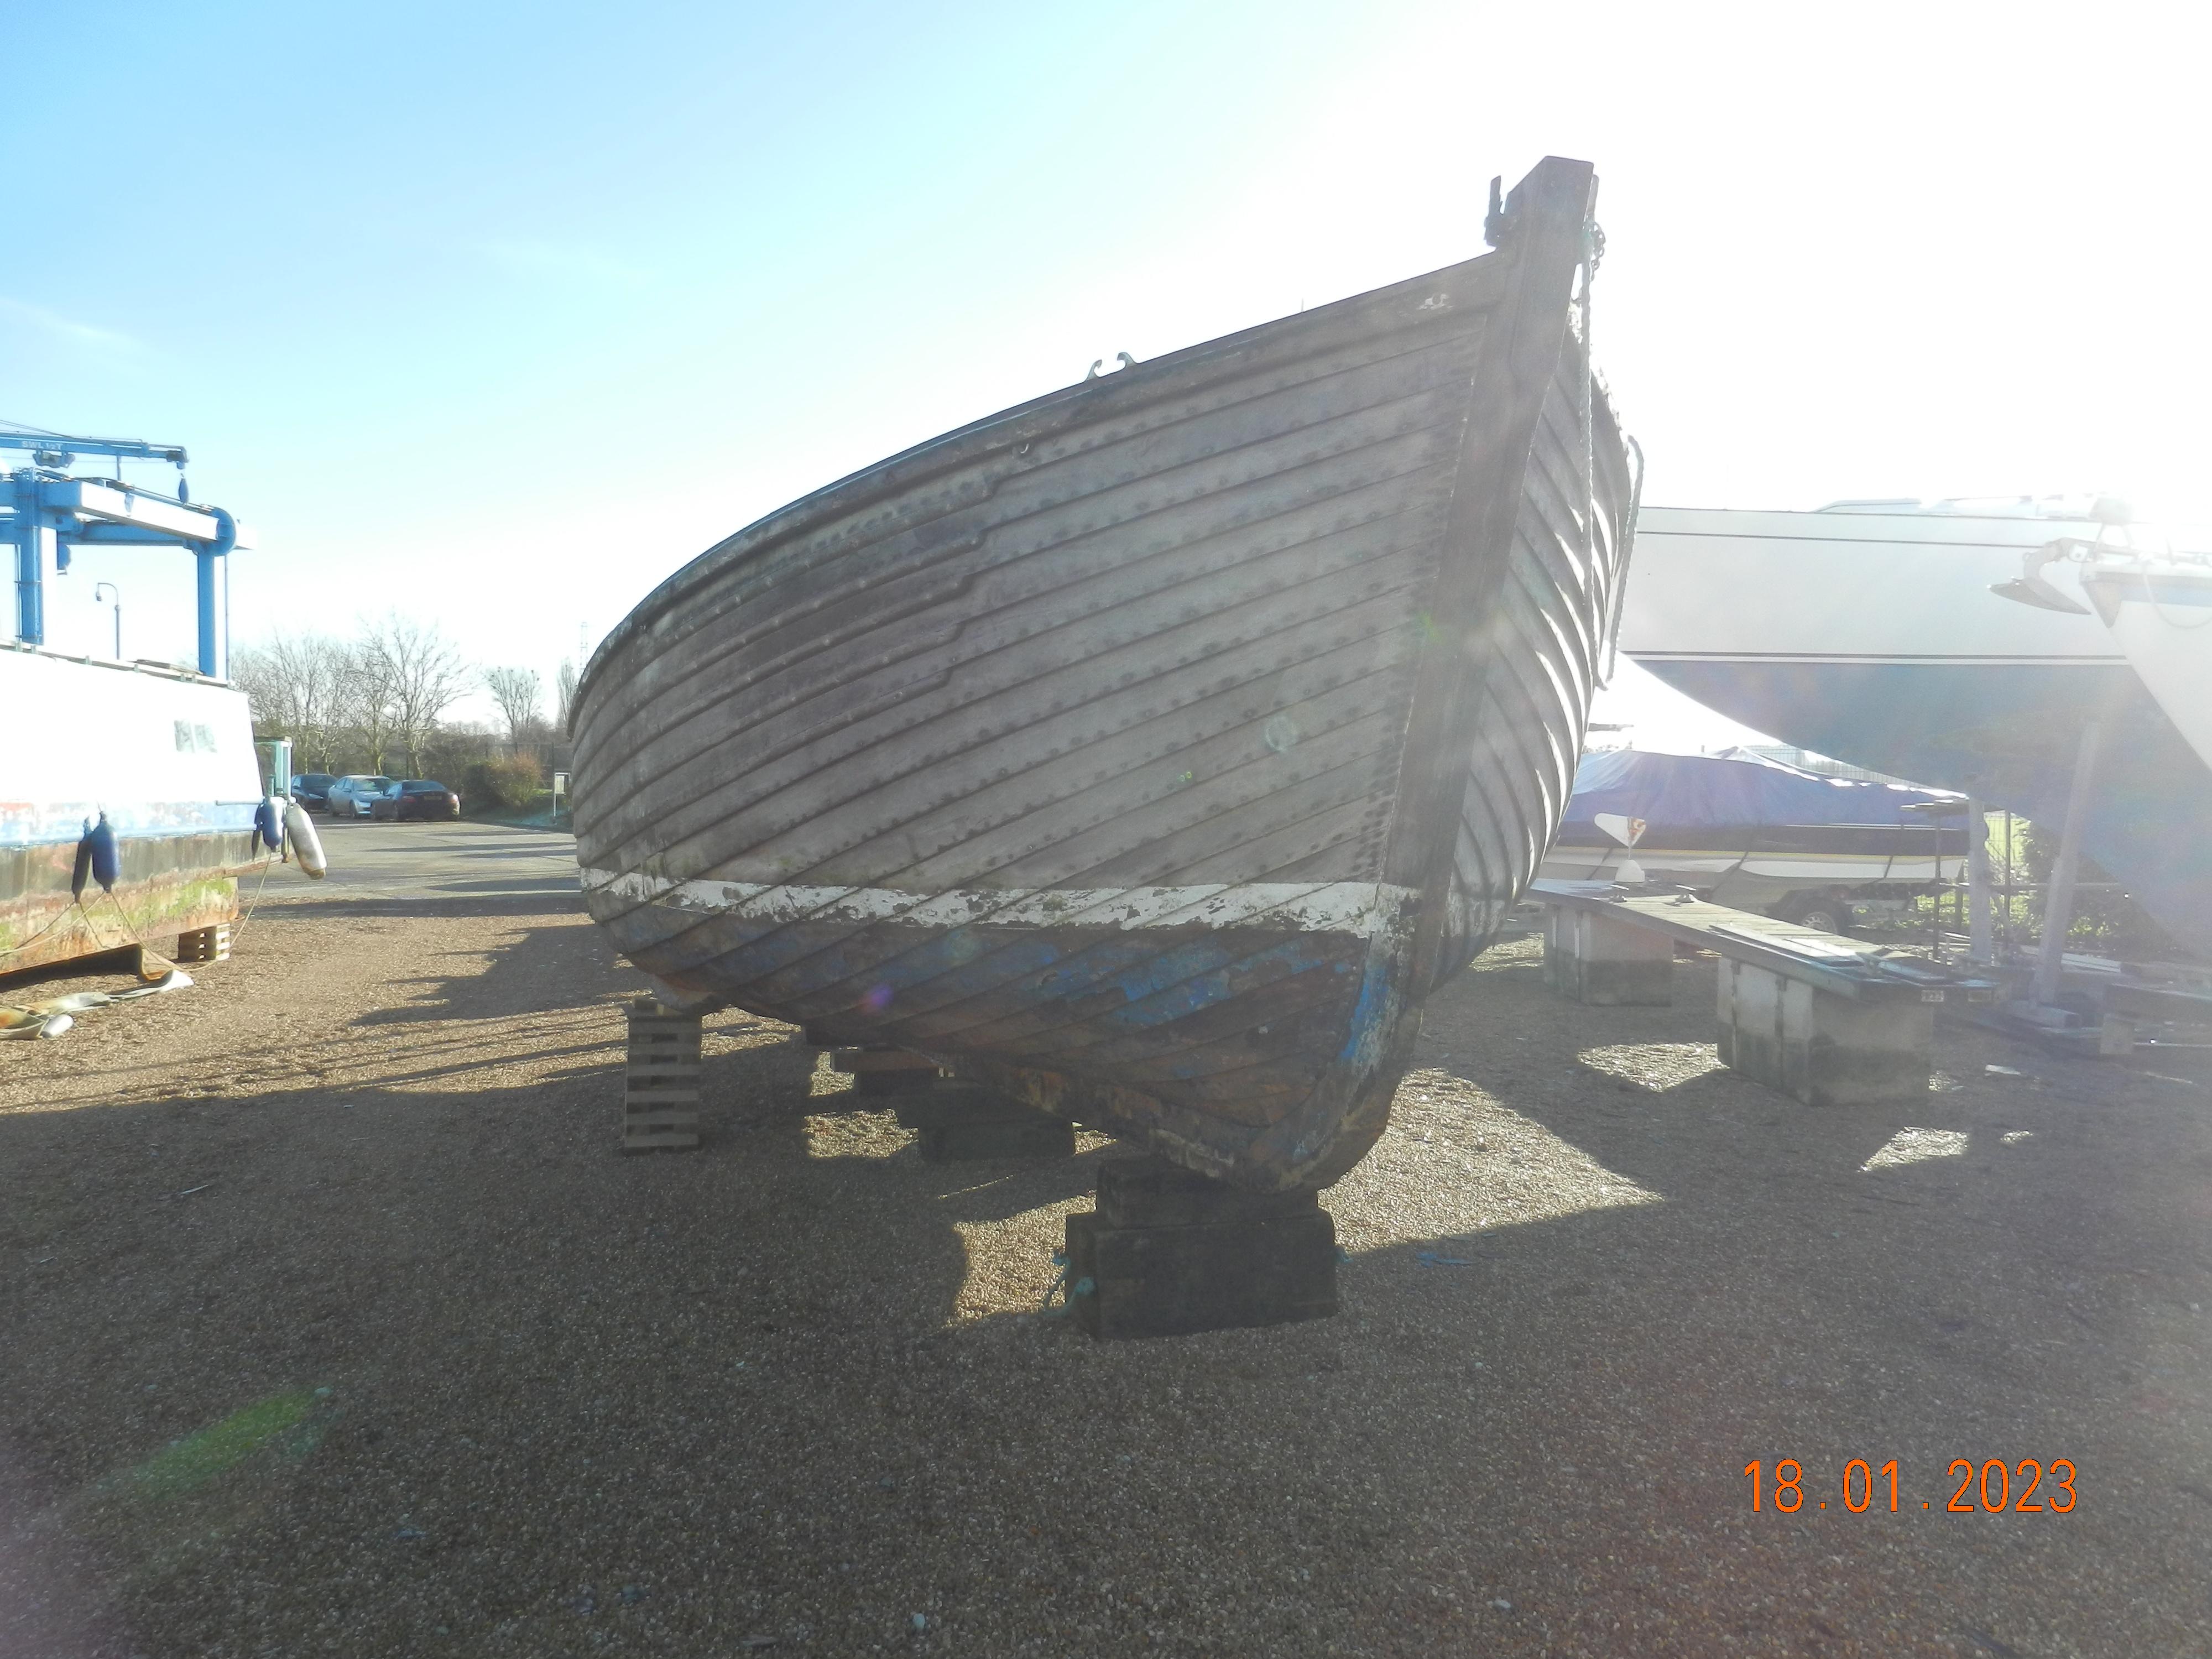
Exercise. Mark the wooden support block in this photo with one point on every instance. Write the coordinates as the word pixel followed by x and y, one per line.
pixel 894 1083
pixel 660 1079
pixel 1606 962
pixel 1149 1192
pixel 1037 1137
pixel 962 1121
pixel 1168 1253
pixel 204 945
pixel 859 1062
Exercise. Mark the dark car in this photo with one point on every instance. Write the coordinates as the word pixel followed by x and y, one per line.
pixel 313 790
pixel 415 797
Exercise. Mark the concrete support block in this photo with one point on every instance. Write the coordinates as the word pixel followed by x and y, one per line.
pixel 962 1121
pixel 1822 1047
pixel 1168 1253
pixel 660 1079
pixel 1596 959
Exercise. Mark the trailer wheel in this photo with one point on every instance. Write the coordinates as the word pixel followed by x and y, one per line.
pixel 1824 915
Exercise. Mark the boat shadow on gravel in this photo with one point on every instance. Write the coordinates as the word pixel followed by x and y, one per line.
pixel 767 1383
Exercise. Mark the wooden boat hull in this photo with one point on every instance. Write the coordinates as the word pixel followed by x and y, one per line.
pixel 169 759
pixel 1150 750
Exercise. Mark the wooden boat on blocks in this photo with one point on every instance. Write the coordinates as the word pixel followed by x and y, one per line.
pixel 1147 752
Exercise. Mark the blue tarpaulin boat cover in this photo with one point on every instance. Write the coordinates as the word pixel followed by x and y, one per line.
pixel 1691 790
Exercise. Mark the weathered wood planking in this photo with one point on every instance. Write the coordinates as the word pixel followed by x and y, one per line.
pixel 1150 750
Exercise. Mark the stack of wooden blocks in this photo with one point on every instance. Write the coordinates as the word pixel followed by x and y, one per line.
pixel 204 945
pixel 661 1087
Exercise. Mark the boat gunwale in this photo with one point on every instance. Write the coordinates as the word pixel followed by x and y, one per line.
pixel 1022 423
pixel 740 686
pixel 952 547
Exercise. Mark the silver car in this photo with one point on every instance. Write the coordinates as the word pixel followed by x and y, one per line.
pixel 354 795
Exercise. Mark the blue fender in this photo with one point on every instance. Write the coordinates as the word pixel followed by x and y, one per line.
pixel 97 856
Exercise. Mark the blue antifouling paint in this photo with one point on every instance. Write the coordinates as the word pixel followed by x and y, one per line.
pixel 265 826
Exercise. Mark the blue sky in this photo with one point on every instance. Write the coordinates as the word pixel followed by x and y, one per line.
pixel 497 314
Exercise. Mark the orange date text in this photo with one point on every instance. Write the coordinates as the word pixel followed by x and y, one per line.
pixel 1992 1487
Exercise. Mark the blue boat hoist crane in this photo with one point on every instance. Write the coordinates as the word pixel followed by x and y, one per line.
pixel 51 514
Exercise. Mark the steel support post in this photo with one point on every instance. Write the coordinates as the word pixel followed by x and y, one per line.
pixel 2059 897
pixel 31 538
pixel 1981 899
pixel 206 561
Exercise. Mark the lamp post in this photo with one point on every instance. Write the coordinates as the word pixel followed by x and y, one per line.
pixel 115 594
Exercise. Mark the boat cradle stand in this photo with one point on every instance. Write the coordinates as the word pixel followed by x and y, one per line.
pixel 1827 1020
pixel 1168 1252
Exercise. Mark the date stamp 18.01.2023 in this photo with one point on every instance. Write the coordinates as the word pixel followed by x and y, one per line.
pixel 1992 1487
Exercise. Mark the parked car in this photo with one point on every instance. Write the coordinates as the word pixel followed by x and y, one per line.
pixel 416 798
pixel 313 790
pixel 351 796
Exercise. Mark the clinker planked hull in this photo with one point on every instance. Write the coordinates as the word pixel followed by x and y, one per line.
pixel 1151 750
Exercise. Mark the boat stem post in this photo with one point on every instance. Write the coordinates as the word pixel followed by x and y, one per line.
pixel 1981 901
pixel 2059 897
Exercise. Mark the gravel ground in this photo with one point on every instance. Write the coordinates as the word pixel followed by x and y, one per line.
pixel 333 1323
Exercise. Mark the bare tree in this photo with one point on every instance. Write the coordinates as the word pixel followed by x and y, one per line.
pixel 296 689
pixel 419 674
pixel 515 691
pixel 564 685
pixel 367 704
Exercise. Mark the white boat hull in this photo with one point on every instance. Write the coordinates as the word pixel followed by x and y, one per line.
pixel 168 757
pixel 1874 637
pixel 2159 611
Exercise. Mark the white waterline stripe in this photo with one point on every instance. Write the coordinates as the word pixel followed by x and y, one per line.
pixel 1355 907
pixel 1875 659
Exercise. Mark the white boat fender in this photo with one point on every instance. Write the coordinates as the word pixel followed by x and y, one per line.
pixel 305 845
pixel 264 824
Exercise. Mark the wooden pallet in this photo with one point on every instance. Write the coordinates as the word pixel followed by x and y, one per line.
pixel 204 945
pixel 660 1080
